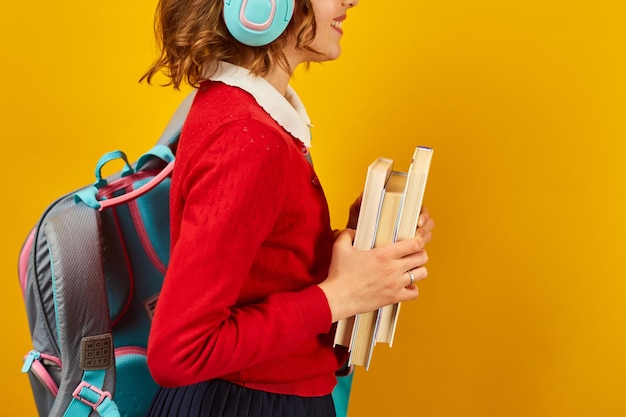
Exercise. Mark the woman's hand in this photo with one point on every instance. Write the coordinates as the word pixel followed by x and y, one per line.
pixel 361 281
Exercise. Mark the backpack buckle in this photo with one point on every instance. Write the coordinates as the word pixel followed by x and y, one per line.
pixel 93 396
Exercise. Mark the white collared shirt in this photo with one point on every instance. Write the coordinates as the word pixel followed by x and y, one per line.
pixel 288 110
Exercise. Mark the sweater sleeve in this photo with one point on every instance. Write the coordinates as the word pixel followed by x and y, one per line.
pixel 232 191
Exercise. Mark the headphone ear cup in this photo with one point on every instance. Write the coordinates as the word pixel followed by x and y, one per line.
pixel 257 22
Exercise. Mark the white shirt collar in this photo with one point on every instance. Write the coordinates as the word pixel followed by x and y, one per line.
pixel 287 110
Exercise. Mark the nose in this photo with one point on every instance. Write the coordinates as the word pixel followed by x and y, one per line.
pixel 350 3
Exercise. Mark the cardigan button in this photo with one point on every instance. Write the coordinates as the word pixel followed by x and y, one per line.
pixel 316 182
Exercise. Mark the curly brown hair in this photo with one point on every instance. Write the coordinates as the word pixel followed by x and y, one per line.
pixel 191 32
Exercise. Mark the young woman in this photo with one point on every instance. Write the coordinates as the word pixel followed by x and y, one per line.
pixel 244 323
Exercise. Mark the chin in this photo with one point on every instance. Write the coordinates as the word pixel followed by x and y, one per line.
pixel 331 55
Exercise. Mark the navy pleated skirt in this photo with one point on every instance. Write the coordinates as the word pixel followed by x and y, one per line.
pixel 219 398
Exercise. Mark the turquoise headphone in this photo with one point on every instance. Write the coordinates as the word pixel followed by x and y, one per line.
pixel 257 22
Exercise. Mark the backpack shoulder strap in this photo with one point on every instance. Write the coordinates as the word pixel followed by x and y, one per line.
pixel 172 130
pixel 82 311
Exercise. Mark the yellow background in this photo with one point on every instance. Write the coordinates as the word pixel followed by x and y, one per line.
pixel 523 102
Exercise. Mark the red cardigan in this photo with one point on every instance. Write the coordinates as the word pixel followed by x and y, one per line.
pixel 250 237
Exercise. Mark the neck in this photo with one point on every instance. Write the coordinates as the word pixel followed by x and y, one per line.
pixel 279 79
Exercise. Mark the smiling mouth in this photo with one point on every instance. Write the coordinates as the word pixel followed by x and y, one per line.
pixel 337 24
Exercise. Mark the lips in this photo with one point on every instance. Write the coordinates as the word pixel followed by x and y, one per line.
pixel 337 23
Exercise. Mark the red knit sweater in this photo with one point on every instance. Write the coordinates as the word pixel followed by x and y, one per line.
pixel 250 237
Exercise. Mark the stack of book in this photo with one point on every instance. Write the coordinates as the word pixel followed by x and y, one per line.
pixel 390 209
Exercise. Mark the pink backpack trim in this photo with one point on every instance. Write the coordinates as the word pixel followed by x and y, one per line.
pixel 22 267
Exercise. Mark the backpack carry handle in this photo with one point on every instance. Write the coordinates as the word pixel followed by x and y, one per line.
pixel 159 151
pixel 105 159
pixel 89 195
pixel 165 172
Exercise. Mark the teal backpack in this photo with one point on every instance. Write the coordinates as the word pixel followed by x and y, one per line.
pixel 90 273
